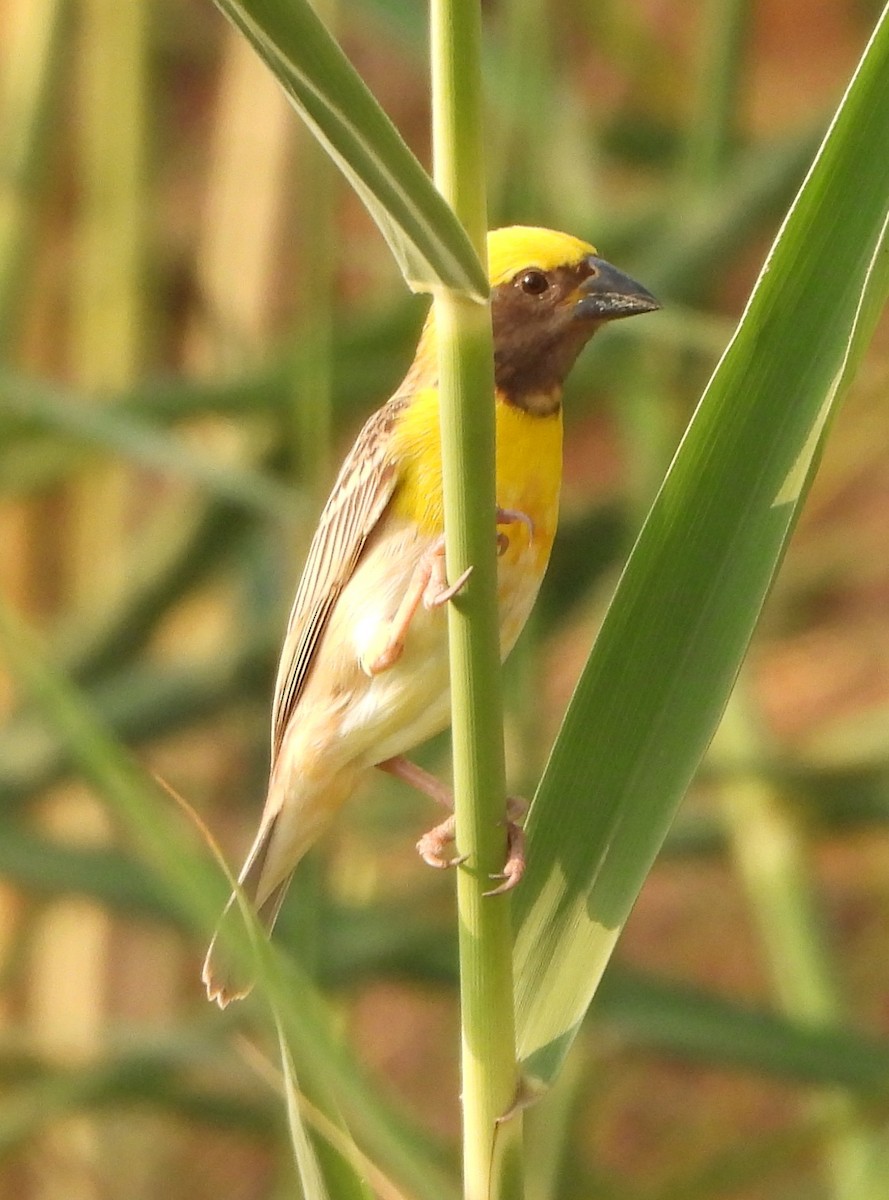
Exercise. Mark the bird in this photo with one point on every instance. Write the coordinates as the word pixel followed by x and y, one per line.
pixel 363 674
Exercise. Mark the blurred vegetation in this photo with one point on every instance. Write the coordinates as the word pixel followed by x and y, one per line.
pixel 195 316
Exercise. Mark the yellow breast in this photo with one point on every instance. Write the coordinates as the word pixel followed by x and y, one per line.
pixel 528 464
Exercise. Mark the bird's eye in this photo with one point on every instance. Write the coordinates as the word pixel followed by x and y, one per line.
pixel 534 283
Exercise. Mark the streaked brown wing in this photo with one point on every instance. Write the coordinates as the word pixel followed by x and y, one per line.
pixel 358 499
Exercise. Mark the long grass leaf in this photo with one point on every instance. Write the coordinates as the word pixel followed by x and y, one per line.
pixel 196 886
pixel 429 243
pixel 46 408
pixel 678 627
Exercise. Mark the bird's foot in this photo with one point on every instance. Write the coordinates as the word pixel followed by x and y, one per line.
pixel 514 867
pixel 429 584
pixel 435 599
pixel 512 516
pixel 432 845
pixel 437 590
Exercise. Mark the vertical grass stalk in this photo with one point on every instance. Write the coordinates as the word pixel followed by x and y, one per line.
pixel 490 1151
pixel 716 100
pixel 769 848
pixel 29 70
pixel 109 300
pixel 243 211
pixel 313 357
pixel 108 306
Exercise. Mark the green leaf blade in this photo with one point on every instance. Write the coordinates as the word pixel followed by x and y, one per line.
pixel 430 245
pixel 675 635
pixel 44 409
pixel 192 886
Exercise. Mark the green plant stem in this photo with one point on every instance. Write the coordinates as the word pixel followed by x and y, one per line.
pixel 31 63
pixel 517 158
pixel 109 291
pixel 314 352
pixel 313 358
pixel 108 324
pixel 713 118
pixel 491 1152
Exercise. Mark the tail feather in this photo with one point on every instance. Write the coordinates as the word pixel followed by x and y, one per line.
pixel 295 824
pixel 224 980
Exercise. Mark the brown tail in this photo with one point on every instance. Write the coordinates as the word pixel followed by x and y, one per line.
pixel 222 978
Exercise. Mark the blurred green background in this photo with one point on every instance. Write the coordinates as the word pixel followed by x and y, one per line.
pixel 195 317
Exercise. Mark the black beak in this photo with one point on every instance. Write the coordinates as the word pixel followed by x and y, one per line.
pixel 608 294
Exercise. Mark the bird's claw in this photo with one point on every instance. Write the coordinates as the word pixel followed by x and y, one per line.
pixel 514 867
pixel 512 516
pixel 438 593
pixel 431 846
pixel 429 584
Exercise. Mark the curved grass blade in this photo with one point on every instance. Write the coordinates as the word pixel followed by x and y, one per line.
pixel 695 1026
pixel 429 244
pixel 195 886
pixel 677 630
pixel 47 408
pixel 156 1072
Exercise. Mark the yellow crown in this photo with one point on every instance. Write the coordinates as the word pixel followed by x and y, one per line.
pixel 519 246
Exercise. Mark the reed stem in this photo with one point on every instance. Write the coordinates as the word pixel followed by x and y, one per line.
pixel 491 1150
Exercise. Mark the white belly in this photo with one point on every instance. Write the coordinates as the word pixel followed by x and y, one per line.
pixel 410 701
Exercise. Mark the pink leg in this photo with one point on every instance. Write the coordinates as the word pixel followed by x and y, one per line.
pixel 402 768
pixel 431 845
pixel 428 584
pixel 438 591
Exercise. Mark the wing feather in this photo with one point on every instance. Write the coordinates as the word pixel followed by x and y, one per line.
pixel 358 499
